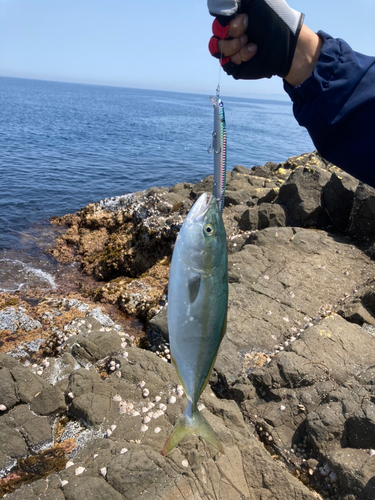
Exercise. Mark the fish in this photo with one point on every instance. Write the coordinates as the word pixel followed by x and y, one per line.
pixel 219 148
pixel 197 311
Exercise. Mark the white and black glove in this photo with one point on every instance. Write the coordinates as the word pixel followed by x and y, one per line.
pixel 272 25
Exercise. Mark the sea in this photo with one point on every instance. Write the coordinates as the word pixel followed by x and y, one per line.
pixel 64 145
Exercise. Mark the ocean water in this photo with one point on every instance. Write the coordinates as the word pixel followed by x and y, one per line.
pixel 65 145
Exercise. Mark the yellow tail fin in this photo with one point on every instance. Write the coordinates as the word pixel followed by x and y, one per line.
pixel 196 424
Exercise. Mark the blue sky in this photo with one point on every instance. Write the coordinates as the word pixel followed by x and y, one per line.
pixel 157 44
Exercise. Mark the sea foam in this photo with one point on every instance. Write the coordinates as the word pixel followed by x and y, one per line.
pixel 16 275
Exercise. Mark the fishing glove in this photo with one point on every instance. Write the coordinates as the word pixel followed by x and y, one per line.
pixel 273 26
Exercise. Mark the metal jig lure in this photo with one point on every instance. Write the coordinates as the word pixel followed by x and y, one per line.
pixel 219 148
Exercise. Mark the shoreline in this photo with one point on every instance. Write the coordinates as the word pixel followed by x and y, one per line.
pixel 294 377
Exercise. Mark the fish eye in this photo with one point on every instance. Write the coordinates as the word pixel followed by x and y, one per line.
pixel 208 230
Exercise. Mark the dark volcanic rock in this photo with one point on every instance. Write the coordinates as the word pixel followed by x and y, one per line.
pixel 37 431
pixel 301 195
pixel 249 220
pixel 12 444
pixel 49 401
pixel 360 308
pixel 236 197
pixel 28 384
pixel 316 398
pixel 94 488
pixel 92 398
pixel 338 198
pixel 121 457
pixel 8 389
pixel 263 216
pixel 95 346
pixel 362 220
pixel 278 283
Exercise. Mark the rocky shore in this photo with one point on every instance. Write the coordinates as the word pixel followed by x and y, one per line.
pixel 87 400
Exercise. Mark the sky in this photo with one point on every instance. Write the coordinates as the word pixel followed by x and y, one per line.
pixel 153 44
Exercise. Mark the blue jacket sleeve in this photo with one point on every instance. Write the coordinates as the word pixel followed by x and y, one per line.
pixel 336 104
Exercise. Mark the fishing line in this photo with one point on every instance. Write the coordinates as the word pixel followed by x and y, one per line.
pixel 219 76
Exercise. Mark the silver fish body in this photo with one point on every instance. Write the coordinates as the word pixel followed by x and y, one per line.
pixel 197 308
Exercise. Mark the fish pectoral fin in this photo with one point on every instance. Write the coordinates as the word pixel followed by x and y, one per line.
pixel 197 425
pixel 194 285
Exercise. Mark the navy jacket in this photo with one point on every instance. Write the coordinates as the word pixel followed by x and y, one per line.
pixel 336 104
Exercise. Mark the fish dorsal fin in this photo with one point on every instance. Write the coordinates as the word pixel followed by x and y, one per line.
pixel 194 285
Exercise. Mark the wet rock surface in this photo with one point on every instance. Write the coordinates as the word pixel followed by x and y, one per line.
pixel 85 409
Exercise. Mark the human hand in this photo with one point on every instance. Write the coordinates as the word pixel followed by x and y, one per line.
pixel 271 27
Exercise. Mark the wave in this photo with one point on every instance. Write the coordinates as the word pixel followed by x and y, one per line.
pixel 16 275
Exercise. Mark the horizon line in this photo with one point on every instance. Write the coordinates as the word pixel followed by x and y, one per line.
pixel 249 95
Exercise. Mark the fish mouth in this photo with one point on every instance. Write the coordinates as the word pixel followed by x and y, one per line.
pixel 201 207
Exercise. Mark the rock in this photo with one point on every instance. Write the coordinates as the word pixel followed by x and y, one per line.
pixel 138 297
pixel 308 160
pixel 59 369
pixel 101 318
pixel 270 196
pixel 362 217
pixel 239 197
pixel 293 383
pixel 6 463
pixel 50 401
pixel 301 195
pixel 8 395
pixel 205 185
pixel 24 492
pixel 94 488
pixel 283 276
pixel 91 409
pixel 338 198
pixel 360 426
pixel 271 215
pixel 142 469
pixel 360 486
pixel 92 398
pixel 135 224
pixel 347 419
pixel 28 384
pixel 37 431
pixel 159 323
pixel 327 406
pixel 39 490
pixel 95 346
pixel 11 442
pixel 249 220
pixel 263 216
pixel 12 319
pixel 265 171
pixel 360 308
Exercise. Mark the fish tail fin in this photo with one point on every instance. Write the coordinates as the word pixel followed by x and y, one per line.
pixel 180 430
pixel 194 424
pixel 205 431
